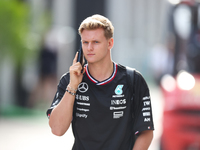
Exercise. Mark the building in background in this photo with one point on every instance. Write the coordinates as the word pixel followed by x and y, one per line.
pixel 139 25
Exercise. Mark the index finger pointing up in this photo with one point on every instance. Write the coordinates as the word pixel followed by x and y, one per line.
pixel 75 58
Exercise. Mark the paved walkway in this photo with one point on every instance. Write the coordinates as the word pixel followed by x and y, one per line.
pixel 31 134
pixel 34 133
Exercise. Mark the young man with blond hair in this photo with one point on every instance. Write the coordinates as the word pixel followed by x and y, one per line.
pixel 97 100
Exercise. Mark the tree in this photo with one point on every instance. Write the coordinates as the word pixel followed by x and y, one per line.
pixel 14 30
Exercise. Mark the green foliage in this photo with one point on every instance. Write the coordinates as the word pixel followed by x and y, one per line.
pixel 14 20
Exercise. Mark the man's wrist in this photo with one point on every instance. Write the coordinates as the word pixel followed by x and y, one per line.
pixel 71 90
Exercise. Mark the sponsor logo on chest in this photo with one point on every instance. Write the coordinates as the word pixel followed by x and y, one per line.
pixel 118 102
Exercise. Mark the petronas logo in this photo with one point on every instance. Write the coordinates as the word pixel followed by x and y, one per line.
pixel 119 90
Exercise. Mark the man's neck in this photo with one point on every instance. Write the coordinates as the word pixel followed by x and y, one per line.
pixel 101 72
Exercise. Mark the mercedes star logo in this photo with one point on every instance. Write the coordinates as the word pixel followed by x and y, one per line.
pixel 83 87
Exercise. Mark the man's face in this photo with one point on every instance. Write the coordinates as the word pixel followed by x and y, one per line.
pixel 96 47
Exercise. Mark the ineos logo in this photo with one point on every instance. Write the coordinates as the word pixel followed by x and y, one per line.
pixel 83 87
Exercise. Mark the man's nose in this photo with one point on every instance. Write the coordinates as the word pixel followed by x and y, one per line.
pixel 90 46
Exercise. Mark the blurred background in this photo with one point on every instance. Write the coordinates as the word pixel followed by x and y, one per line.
pixel 38 41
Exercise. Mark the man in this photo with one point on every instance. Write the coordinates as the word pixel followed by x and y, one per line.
pixel 97 99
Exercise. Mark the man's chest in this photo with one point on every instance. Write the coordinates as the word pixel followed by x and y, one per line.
pixel 111 101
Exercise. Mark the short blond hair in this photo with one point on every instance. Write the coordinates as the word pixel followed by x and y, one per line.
pixel 95 22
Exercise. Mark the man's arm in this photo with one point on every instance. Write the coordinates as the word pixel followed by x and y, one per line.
pixel 61 116
pixel 144 140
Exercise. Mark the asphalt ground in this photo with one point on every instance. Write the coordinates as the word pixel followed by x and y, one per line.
pixel 33 132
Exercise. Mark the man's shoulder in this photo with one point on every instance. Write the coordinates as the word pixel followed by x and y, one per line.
pixel 64 75
pixel 138 77
pixel 121 68
pixel 137 73
pixel 64 78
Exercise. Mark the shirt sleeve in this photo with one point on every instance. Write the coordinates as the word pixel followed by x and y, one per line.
pixel 61 88
pixel 144 118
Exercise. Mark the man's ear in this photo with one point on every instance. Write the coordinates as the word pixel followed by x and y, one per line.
pixel 110 43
